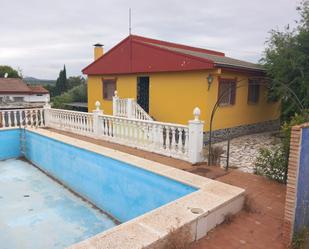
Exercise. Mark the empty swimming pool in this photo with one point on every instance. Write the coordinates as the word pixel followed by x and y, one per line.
pixel 44 207
pixel 37 212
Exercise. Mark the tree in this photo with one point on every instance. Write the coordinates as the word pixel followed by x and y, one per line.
pixel 286 60
pixel 61 83
pixel 76 94
pixel 75 81
pixel 12 73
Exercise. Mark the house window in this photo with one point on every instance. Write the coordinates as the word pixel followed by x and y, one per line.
pixel 109 87
pixel 253 91
pixel 227 91
pixel 39 95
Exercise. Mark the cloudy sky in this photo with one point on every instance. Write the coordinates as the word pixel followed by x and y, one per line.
pixel 40 36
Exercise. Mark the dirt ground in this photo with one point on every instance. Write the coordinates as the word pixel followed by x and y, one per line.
pixel 258 226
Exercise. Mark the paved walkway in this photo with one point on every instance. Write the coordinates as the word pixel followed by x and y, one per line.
pixel 259 226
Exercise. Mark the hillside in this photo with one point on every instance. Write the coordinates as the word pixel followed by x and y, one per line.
pixel 35 81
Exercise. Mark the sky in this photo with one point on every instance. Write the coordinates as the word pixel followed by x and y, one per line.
pixel 40 36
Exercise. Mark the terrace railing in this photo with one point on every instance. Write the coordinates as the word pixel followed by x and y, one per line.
pixel 174 140
pixel 22 118
pixel 72 121
pixel 129 108
pixel 163 138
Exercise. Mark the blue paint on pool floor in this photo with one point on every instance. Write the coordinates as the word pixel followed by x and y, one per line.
pixel 36 212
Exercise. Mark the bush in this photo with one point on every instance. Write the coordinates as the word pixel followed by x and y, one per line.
pixel 76 94
pixel 301 239
pixel 272 164
pixel 287 127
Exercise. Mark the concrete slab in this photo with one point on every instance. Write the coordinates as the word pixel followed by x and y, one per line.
pixel 37 212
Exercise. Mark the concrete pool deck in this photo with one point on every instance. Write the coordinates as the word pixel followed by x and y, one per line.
pixel 36 212
pixel 198 212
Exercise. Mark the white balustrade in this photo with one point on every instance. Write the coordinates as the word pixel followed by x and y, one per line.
pixel 128 108
pixel 174 140
pixel 72 121
pixel 139 112
pixel 163 138
pixel 22 118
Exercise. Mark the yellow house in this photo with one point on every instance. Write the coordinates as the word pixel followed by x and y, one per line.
pixel 169 80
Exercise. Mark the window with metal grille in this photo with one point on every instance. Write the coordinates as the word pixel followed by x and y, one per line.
pixel 109 88
pixel 227 91
pixel 253 91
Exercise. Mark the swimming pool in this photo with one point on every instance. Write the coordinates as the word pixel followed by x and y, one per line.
pixel 36 212
pixel 147 198
pixel 118 188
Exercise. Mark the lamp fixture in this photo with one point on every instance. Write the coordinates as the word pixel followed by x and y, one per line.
pixel 210 78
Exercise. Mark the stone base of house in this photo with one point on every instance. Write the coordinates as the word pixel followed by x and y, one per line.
pixel 237 131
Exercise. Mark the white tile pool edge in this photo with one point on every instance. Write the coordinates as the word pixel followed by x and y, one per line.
pixel 216 199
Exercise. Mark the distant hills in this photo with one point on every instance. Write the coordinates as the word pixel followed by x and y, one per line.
pixel 35 81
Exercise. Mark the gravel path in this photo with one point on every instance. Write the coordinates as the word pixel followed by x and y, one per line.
pixel 245 149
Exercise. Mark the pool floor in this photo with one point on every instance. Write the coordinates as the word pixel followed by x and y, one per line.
pixel 36 212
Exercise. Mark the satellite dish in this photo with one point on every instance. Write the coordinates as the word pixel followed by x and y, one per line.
pixel 6 75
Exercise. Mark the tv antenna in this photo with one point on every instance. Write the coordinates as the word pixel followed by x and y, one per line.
pixel 130 28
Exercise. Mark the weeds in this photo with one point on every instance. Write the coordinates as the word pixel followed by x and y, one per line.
pixel 178 239
pixel 301 239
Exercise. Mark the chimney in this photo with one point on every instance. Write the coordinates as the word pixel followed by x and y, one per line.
pixel 98 51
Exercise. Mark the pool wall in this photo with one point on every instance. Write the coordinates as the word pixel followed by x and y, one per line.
pixel 11 147
pixel 196 213
pixel 120 189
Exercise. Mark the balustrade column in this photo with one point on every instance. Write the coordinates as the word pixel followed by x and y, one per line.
pixel 129 108
pixel 46 113
pixel 115 103
pixel 195 145
pixel 96 113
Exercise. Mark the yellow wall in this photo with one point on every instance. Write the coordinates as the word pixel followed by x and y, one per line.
pixel 126 88
pixel 174 95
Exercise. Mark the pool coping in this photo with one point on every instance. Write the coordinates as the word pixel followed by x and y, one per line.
pixel 199 211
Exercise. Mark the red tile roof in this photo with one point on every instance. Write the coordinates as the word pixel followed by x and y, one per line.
pixel 18 86
pixel 38 89
pixel 136 54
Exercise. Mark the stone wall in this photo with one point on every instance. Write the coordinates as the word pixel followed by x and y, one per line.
pixel 245 149
pixel 223 134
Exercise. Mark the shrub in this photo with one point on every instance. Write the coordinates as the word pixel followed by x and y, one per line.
pixel 272 163
pixel 177 239
pixel 76 94
pixel 301 239
pixel 287 127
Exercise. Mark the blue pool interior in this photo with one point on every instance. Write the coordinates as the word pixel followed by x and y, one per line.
pixel 121 190
pixel 36 213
